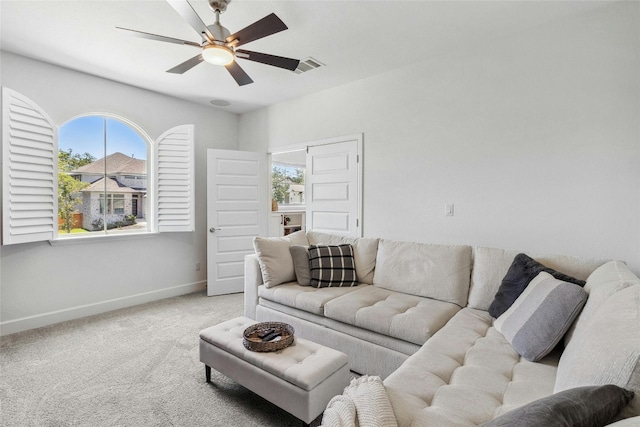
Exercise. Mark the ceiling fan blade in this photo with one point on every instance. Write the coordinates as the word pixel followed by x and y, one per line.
pixel 265 58
pixel 266 26
pixel 240 76
pixel 186 65
pixel 157 37
pixel 184 8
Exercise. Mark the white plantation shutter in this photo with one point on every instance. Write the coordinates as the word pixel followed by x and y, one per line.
pixel 29 171
pixel 175 179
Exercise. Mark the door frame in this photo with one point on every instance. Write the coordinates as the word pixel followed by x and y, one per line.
pixel 359 137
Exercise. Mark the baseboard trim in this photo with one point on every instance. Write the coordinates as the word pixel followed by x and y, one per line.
pixel 52 317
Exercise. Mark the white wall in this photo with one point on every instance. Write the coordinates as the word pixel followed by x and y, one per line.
pixel 41 283
pixel 535 138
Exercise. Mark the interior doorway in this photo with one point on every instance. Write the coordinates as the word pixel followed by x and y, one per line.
pixel 331 199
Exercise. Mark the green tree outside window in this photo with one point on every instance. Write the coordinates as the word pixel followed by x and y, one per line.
pixel 68 187
pixel 281 179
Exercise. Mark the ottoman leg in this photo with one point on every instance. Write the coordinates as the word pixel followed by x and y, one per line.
pixel 207 372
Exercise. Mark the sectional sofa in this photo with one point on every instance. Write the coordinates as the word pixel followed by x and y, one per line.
pixel 461 336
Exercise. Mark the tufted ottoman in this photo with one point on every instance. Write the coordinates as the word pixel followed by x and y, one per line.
pixel 301 379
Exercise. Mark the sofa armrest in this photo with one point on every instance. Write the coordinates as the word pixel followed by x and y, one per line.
pixel 252 279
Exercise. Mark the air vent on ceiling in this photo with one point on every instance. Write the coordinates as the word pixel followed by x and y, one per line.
pixel 308 65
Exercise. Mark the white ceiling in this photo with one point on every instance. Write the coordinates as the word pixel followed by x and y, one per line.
pixel 355 39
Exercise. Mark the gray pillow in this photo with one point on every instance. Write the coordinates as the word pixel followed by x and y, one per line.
pixel 540 316
pixel 591 406
pixel 300 255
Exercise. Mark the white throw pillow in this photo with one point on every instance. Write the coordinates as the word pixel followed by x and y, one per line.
pixel 274 257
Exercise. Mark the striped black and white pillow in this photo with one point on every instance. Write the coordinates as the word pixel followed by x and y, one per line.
pixel 332 266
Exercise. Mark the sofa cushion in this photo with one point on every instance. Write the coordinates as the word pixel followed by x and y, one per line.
pixel 605 281
pixel 434 271
pixel 627 422
pixel 408 317
pixel 365 251
pixel 275 259
pixel 522 270
pixel 466 374
pixel 389 352
pixel 300 256
pixel 582 406
pixel 541 315
pixel 607 348
pixel 304 298
pixel 332 265
pixel 490 265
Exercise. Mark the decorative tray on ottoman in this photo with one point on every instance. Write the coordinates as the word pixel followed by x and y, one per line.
pixel 268 336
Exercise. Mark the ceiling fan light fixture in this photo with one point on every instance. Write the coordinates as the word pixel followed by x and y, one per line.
pixel 217 55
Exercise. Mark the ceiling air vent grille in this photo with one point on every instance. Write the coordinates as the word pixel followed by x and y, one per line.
pixel 308 65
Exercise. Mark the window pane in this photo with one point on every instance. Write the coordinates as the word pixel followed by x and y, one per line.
pixel 287 177
pixel 112 163
pixel 118 203
pixel 287 184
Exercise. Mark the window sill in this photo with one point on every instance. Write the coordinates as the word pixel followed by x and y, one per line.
pixel 102 238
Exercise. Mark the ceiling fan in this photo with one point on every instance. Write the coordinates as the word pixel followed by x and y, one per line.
pixel 218 45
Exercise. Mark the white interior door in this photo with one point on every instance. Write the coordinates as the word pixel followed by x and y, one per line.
pixel 236 213
pixel 334 187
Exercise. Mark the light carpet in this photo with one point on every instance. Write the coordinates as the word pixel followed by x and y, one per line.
pixel 136 366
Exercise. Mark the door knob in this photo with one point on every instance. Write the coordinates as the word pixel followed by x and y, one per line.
pixel 213 230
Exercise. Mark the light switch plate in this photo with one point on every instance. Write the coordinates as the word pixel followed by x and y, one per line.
pixel 448 209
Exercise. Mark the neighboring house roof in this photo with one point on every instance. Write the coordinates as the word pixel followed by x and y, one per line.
pixel 117 163
pixel 113 186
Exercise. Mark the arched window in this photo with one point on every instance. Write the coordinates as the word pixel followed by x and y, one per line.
pixel 130 175
pixel 102 176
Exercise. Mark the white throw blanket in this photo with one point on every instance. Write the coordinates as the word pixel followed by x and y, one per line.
pixel 364 403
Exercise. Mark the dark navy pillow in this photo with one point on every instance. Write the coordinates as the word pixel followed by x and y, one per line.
pixel 522 271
